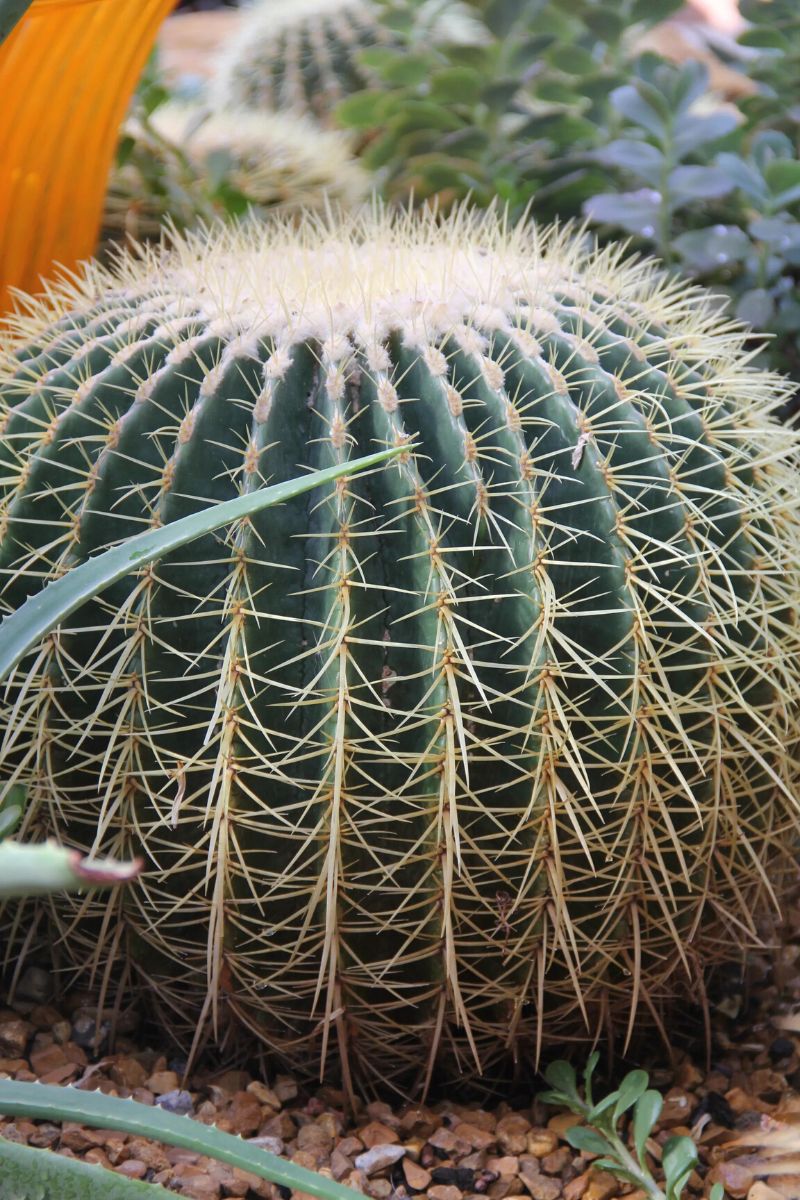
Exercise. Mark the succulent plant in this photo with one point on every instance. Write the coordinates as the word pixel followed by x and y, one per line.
pixel 298 54
pixel 188 163
pixel 489 749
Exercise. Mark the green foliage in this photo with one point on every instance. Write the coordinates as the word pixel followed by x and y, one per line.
pixel 39 1171
pixel 30 1174
pixel 603 1130
pixel 769 52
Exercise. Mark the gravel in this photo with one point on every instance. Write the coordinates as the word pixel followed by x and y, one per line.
pixel 438 1151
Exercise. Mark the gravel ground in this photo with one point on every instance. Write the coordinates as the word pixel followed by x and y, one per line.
pixel 746 1100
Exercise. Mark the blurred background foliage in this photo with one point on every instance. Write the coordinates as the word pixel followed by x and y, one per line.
pixel 558 109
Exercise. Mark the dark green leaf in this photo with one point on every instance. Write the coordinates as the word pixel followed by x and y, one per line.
pixel 408 70
pixel 501 15
pixel 611 1164
pixel 460 84
pixel 764 38
pixel 606 23
pixel 580 1137
pixel 645 1114
pixel 744 175
pixel 499 93
pixel 769 145
pixel 602 1106
pixel 361 110
pixel 653 11
pixel 561 1076
pixel 678 1160
pixel 782 174
pixel 572 60
pixel 632 1087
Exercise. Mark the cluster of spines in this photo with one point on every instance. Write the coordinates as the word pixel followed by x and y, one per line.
pixel 522 704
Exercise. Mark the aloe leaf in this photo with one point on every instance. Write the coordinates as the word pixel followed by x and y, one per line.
pixel 37 616
pixel 41 869
pixel 28 1174
pixel 11 11
pixel 39 1101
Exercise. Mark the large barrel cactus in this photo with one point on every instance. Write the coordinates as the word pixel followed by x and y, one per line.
pixel 490 748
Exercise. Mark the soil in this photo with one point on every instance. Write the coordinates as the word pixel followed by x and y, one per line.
pixel 740 1101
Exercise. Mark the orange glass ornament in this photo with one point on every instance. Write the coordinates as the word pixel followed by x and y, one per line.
pixel 66 77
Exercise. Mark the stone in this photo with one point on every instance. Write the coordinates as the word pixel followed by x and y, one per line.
pixel 418 1120
pixel 162 1081
pixel 737 1180
pixel 444 1191
pixel 444 1139
pixel 555 1162
pixel 377 1134
pixel 508 1165
pixel 35 984
pixel 45 1136
pixel 478 1138
pixel 602 1186
pixel 351 1146
pixel 762 1191
pixel 678 1104
pixel 176 1101
pixel 75 1137
pixel 274 1145
pixel 64 1073
pixel 417 1178
pixel 541 1187
pixel 244 1114
pixel 379 1110
pixel 195 1182
pixel 128 1072
pixel 561 1122
pixel 575 1189
pixel 541 1142
pixel 280 1126
pixel 47 1059
pixel 512 1133
pixel 14 1036
pixel 133 1168
pixel 341 1165
pixel 378 1157
pixel 89 1035
pixel 380 1189
pixel 285 1088
pixel 263 1094
pixel 461 1177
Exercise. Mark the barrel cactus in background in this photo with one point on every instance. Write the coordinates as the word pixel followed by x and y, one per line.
pixel 490 749
pixel 188 163
pixel 298 54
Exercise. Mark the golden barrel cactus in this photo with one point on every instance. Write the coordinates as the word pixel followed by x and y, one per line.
pixel 489 749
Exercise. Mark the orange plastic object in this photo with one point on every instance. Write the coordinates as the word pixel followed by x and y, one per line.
pixel 66 77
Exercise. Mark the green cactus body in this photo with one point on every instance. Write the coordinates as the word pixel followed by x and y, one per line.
pixel 300 55
pixel 488 748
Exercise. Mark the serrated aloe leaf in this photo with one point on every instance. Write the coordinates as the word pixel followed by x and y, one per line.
pixel 29 1174
pixel 632 1087
pixel 42 612
pixel 40 1101
pixel 11 11
pixel 645 1115
pixel 42 869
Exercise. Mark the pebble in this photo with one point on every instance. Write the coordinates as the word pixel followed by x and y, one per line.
pixel 512 1133
pixel 443 1191
pixel 378 1157
pixel 377 1134
pixel 602 1186
pixel 541 1142
pixel 176 1101
pixel 417 1178
pixel 14 1036
pixel 35 984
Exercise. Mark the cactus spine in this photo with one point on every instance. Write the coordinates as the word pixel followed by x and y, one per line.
pixel 486 749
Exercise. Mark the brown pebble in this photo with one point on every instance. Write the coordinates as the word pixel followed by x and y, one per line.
pixel 444 1191
pixel 512 1133
pixel 446 1140
pixel 541 1142
pixel 508 1165
pixel 541 1187
pixel 479 1139
pixel 380 1189
pixel 736 1180
pixel 762 1191
pixel 98 1156
pixel 161 1082
pixel 75 1137
pixel 341 1165
pixel 14 1036
pixel 195 1182
pixel 263 1094
pixel 350 1146
pixel 129 1072
pixel 602 1186
pixel 377 1134
pixel 561 1122
pixel 134 1168
pixel 45 1136
pixel 244 1114
pixel 151 1154
pixel 285 1088
pixel 576 1187
pixel 678 1103
pixel 417 1178
pixel 555 1162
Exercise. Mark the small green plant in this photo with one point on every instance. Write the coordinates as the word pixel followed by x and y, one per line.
pixel 603 1134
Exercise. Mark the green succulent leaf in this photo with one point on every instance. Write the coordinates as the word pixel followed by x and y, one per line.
pixel 42 869
pixel 561 1077
pixel 629 101
pixel 646 1112
pixel 637 157
pixel 632 1087
pixel 711 248
pixel 581 1137
pixel 698 183
pixel 678 1160
pixel 636 212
